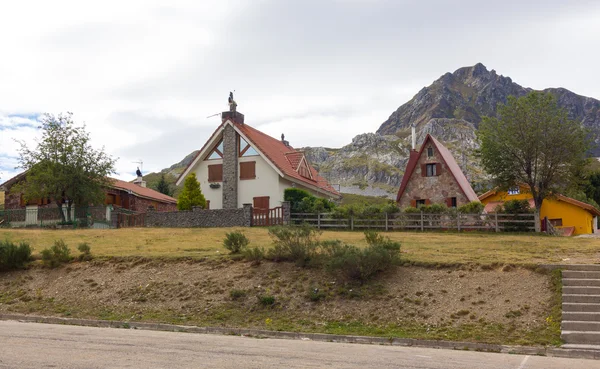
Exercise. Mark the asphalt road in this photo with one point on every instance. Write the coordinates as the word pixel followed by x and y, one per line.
pixel 32 345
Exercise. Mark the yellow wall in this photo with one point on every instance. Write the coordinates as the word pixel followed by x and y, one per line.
pixel 571 215
pixel 1 197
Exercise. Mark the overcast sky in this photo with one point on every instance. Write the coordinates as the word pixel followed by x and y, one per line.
pixel 144 75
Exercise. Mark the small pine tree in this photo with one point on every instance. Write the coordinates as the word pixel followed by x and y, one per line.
pixel 191 195
pixel 163 186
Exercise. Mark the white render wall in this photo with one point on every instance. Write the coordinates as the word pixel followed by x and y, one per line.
pixel 214 195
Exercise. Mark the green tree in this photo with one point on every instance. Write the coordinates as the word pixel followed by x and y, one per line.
pixel 533 142
pixel 191 195
pixel 64 167
pixel 163 186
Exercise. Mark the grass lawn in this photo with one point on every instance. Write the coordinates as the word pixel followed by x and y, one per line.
pixel 420 248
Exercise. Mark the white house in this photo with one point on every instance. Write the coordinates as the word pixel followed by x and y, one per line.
pixel 241 165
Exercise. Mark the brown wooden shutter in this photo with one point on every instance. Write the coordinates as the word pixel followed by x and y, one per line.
pixel 207 204
pixel 423 170
pixel 261 202
pixel 427 201
pixel 413 203
pixel 449 202
pixel 248 170
pixel 438 169
pixel 215 173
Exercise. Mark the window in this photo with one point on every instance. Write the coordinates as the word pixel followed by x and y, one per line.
pixel 431 172
pixel 248 170
pixel 556 222
pixel 304 170
pixel 245 148
pixel 215 173
pixel 420 203
pixel 217 152
pixel 453 202
pixel 429 152
pixel 514 190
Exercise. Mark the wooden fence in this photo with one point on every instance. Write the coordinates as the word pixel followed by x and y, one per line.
pixel 129 220
pixel 495 222
pixel 267 217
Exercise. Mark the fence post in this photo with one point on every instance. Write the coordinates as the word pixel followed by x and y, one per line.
pixel 318 220
pixel 351 222
pixel 496 218
pixel 421 220
pixel 458 221
pixel 536 218
pixel 386 222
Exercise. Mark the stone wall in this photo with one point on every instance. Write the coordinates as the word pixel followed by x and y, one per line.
pixel 198 217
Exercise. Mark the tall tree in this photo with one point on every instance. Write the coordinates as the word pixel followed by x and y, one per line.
pixel 191 195
pixel 163 186
pixel 533 142
pixel 64 166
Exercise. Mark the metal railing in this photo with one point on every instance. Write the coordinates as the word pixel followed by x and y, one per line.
pixel 496 222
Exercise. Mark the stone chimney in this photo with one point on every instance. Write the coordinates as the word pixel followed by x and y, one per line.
pixel 139 181
pixel 230 160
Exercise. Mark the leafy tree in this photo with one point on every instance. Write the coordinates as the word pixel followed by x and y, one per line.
pixel 532 142
pixel 191 195
pixel 64 166
pixel 163 186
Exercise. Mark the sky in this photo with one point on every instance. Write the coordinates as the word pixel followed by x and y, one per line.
pixel 144 75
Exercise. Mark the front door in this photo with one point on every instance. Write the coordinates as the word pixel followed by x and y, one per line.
pixel 261 202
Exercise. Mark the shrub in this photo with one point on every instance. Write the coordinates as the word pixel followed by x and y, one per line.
pixel 266 300
pixel 14 256
pixel 237 294
pixel 434 209
pixel 58 254
pixel 294 243
pixel 474 207
pixel 411 210
pixel 254 254
pixel 391 208
pixel 235 242
pixel 86 251
pixel 361 264
pixel 516 207
pixel 315 294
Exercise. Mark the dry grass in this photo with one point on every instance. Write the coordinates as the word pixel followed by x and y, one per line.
pixel 429 248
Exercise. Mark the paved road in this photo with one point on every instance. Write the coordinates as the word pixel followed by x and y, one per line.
pixel 32 345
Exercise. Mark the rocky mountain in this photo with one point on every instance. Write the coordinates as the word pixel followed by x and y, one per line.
pixel 451 109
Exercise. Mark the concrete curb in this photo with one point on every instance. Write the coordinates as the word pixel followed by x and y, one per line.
pixel 259 333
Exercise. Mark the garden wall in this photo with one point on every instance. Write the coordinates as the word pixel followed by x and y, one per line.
pixel 201 218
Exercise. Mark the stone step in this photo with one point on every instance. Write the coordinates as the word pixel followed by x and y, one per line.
pixel 580 290
pixel 568 325
pixel 581 298
pixel 586 338
pixel 576 306
pixel 581 274
pixel 590 267
pixel 580 282
pixel 581 316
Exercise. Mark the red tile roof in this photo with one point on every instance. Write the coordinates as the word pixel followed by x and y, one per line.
pixel 142 191
pixel 285 158
pixel 447 157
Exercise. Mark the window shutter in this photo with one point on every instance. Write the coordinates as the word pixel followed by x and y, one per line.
pixel 423 170
pixel 438 169
pixel 248 170
pixel 449 202
pixel 413 203
pixel 207 204
pixel 215 173
pixel 427 202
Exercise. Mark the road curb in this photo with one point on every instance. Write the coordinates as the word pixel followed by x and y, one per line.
pixel 259 333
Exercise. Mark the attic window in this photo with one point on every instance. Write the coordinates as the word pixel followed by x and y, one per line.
pixel 246 149
pixel 429 152
pixel 431 172
pixel 304 170
pixel 514 190
pixel 217 152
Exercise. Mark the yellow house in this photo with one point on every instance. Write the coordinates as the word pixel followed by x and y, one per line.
pixel 573 216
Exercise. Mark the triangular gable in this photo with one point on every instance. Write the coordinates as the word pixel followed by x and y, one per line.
pixel 448 159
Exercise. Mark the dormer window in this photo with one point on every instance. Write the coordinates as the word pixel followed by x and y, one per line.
pixel 514 190
pixel 429 152
pixel 304 169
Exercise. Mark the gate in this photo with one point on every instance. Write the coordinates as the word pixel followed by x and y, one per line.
pixel 267 217
pixel 125 220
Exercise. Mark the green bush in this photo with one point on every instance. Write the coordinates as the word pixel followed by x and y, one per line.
pixel 411 210
pixel 86 251
pixel 237 294
pixel 315 294
pixel 391 208
pixel 302 201
pixel 294 243
pixel 361 264
pixel 254 254
pixel 58 254
pixel 474 207
pixel 14 256
pixel 516 208
pixel 266 300
pixel 434 209
pixel 235 242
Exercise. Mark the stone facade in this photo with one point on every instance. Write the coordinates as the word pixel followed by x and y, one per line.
pixel 230 168
pixel 198 217
pixel 434 189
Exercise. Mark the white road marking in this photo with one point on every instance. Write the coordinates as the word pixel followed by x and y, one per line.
pixel 523 362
